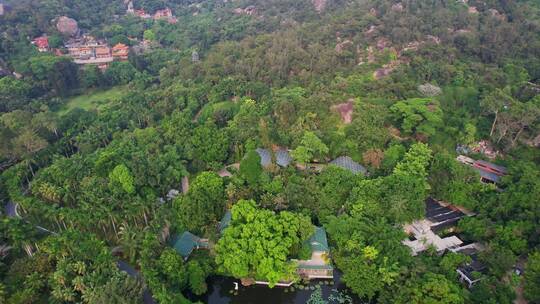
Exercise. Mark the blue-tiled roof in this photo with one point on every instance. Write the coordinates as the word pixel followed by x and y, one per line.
pixel 187 242
pixel 283 158
pixel 346 162
pixel 318 241
pixel 266 157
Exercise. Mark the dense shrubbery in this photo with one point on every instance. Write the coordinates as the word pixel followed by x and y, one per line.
pixel 100 178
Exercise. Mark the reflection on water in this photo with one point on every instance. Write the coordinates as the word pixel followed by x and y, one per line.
pixel 221 291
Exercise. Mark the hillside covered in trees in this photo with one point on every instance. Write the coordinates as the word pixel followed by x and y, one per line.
pixel 148 146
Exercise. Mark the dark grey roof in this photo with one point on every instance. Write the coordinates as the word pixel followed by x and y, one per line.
pixel 283 158
pixel 488 175
pixel 266 156
pixel 474 266
pixel 348 163
pixel 492 166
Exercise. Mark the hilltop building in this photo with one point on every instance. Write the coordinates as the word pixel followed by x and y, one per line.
pixel 120 51
pixel 42 43
pixel 103 51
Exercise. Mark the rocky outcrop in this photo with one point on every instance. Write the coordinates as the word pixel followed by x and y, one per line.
pixel 372 30
pixel 398 7
pixel 67 26
pixel 343 45
pixel 382 44
pixel 496 14
pixel 345 110
pixel 319 5
pixel 250 11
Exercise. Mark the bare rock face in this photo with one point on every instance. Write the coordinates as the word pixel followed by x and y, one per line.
pixel 343 45
pixel 67 26
pixel 319 5
pixel 398 7
pixel 250 11
pixel 345 110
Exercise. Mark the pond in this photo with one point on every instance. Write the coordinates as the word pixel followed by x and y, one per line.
pixel 221 290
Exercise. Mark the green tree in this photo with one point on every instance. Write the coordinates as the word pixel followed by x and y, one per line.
pixel 149 35
pixel 210 145
pixel 120 175
pixel 275 236
pixel 437 289
pixel 203 205
pixel 418 115
pixel 120 73
pixel 532 278
pixel 251 168
pixel 14 93
pixel 310 147
pixel 493 104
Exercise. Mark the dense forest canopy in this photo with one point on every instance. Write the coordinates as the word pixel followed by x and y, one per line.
pixel 281 115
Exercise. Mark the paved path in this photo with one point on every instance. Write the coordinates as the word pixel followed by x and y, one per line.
pixel 132 272
pixel 185 184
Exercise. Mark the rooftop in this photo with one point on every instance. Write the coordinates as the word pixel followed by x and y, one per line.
pixel 439 216
pixel 266 156
pixel 489 172
pixel 187 242
pixel 283 158
pixel 318 241
pixel 348 163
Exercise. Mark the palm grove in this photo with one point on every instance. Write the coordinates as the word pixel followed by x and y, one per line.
pixel 422 78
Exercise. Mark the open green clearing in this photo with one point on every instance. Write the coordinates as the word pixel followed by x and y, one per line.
pixel 93 99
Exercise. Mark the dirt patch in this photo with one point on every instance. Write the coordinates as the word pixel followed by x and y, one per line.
pixel 345 110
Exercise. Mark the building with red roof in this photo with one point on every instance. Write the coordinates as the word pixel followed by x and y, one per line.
pixel 42 43
pixel 120 51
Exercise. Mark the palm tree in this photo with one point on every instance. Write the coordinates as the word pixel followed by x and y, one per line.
pixel 129 241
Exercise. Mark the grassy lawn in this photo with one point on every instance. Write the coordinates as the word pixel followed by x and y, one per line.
pixel 93 99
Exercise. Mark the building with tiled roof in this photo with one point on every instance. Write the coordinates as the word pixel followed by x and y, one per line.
pixel 120 51
pixel 348 163
pixel 282 157
pixel 438 217
pixel 42 43
pixel 102 51
pixel 489 173
pixel 187 242
pixel 318 266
